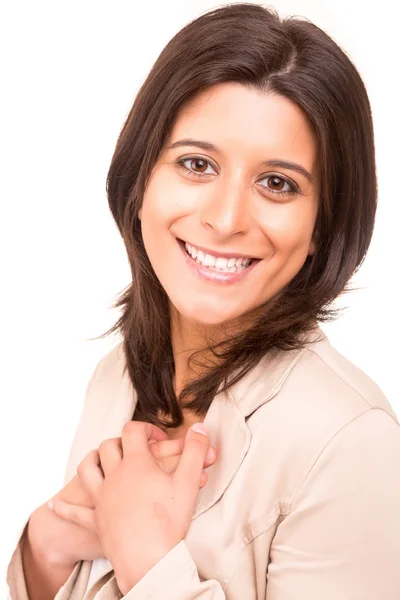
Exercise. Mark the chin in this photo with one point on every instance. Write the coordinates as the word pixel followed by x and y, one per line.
pixel 206 317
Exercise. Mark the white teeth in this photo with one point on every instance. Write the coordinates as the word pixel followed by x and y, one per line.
pixel 221 263
pixel 209 261
pixel 227 265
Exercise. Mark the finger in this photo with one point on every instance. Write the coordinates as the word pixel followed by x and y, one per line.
pixel 190 467
pixel 136 435
pixel 167 448
pixel 110 452
pixel 204 478
pixel 211 456
pixel 84 517
pixel 174 448
pixel 76 493
pixel 90 474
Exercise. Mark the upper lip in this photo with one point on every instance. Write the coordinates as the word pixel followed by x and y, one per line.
pixel 219 254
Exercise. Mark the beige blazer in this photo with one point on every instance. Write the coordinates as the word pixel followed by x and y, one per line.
pixel 302 504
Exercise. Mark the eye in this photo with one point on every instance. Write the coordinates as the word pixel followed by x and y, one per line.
pixel 195 162
pixel 279 185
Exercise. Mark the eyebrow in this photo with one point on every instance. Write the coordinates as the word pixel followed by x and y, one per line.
pixel 208 146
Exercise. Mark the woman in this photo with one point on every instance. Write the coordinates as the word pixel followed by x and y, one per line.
pixel 244 186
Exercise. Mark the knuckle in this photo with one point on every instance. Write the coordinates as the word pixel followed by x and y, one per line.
pixel 180 443
pixel 104 445
pixel 129 427
pixel 156 450
pixel 91 456
pixel 94 456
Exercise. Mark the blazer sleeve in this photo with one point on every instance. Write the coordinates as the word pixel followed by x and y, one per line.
pixel 17 589
pixel 342 536
pixel 175 577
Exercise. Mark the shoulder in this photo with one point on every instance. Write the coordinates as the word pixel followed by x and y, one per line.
pixel 324 405
pixel 109 387
pixel 108 405
pixel 327 360
pixel 109 367
pixel 328 382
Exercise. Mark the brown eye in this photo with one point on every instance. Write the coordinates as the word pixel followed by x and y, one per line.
pixel 199 164
pixel 196 166
pixel 276 183
pixel 280 186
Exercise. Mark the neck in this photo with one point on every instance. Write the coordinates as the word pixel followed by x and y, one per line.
pixel 186 339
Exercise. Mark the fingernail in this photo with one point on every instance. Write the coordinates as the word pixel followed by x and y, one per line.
pixel 200 428
pixel 210 454
pixel 50 504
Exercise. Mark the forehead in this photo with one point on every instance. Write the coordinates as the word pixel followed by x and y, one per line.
pixel 239 119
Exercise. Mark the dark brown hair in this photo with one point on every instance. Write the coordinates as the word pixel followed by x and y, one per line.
pixel 249 44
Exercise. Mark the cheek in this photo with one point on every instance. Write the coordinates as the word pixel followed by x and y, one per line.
pixel 289 226
pixel 164 200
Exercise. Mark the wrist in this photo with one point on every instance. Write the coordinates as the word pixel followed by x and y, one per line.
pixel 130 569
pixel 39 542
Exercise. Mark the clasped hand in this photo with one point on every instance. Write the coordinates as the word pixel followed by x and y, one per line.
pixel 140 508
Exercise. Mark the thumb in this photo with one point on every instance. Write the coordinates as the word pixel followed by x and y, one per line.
pixel 190 468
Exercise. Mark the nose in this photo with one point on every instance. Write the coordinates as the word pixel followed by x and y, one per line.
pixel 226 209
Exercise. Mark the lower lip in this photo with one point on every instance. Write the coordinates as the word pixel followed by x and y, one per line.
pixel 215 276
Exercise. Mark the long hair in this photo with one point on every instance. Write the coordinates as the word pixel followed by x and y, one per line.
pixel 249 44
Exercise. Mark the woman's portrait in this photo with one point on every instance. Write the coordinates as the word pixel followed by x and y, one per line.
pixel 237 434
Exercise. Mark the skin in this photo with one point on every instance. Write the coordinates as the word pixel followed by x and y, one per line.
pixel 234 208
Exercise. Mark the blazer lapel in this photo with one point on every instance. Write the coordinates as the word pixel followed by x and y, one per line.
pixel 226 419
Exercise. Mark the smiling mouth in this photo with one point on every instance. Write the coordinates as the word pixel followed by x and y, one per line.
pixel 224 272
pixel 247 260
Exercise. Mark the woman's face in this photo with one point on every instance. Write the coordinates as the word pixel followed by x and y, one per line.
pixel 226 200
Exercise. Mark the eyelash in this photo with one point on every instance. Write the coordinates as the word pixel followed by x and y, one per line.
pixel 293 187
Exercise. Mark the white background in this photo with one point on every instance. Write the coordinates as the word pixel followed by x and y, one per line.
pixel 70 71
